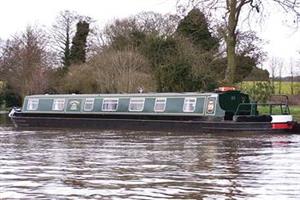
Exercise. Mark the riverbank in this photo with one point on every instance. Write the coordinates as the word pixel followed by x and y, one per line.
pixel 295 111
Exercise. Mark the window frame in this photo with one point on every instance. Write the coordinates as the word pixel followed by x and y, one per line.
pixel 187 101
pixel 136 99
pixel 85 103
pixel 109 99
pixel 31 102
pixel 164 102
pixel 55 101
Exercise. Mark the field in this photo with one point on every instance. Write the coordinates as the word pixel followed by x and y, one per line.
pixel 295 110
pixel 285 87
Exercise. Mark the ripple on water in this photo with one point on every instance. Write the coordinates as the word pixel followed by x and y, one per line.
pixel 74 164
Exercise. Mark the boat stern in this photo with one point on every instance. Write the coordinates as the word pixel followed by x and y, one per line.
pixel 283 122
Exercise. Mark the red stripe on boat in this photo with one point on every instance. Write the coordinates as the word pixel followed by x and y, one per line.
pixel 282 126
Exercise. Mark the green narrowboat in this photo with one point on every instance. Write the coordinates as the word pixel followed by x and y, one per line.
pixel 217 111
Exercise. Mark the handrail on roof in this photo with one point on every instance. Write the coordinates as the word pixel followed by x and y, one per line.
pixel 281 95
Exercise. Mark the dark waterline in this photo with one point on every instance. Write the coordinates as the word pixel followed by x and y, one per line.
pixel 74 164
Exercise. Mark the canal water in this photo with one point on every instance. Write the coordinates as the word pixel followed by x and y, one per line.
pixel 75 164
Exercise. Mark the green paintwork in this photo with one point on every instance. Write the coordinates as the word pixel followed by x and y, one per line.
pixel 229 101
pixel 75 103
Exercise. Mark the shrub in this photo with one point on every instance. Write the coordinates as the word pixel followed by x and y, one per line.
pixel 259 91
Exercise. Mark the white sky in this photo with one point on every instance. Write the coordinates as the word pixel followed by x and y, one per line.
pixel 15 15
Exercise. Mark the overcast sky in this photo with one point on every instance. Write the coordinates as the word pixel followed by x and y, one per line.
pixel 15 15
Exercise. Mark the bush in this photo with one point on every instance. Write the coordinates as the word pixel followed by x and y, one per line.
pixel 259 91
pixel 8 98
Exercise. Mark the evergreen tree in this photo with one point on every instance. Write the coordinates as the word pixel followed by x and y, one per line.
pixel 67 53
pixel 160 51
pixel 194 26
pixel 78 49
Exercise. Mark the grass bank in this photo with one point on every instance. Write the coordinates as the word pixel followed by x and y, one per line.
pixel 285 87
pixel 295 111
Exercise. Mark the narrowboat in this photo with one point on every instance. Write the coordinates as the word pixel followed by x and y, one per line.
pixel 223 110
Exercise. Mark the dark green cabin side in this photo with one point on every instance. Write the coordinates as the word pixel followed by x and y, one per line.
pixel 212 105
pixel 229 102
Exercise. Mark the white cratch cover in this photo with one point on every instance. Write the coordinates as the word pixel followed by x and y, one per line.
pixel 281 118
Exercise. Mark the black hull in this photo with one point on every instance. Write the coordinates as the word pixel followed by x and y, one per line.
pixel 144 124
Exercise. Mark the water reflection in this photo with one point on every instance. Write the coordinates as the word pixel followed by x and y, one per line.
pixel 4 120
pixel 73 164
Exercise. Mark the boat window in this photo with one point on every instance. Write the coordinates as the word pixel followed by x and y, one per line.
pixel 58 104
pixel 89 104
pixel 160 104
pixel 189 104
pixel 110 104
pixel 136 104
pixel 33 104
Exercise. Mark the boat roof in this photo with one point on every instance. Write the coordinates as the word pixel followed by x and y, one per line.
pixel 124 95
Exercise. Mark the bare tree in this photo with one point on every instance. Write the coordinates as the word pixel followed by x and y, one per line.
pixel 125 30
pixel 249 44
pixel 273 67
pixel 63 30
pixel 111 71
pixel 235 11
pixel 276 67
pixel 119 33
pixel 151 22
pixel 25 62
pixel 292 74
pixel 122 71
pixel 280 70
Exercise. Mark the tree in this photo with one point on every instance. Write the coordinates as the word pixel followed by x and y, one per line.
pixel 250 45
pixel 111 71
pixel 25 61
pixel 78 49
pixel 179 66
pixel 273 66
pixel 159 50
pixel 194 27
pixel 258 74
pixel 10 97
pixel 292 74
pixel 62 32
pixel 232 12
pixel 156 23
pixel 245 65
pixel 276 65
pixel 122 34
pixel 133 32
pixel 280 68
pixel 157 44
